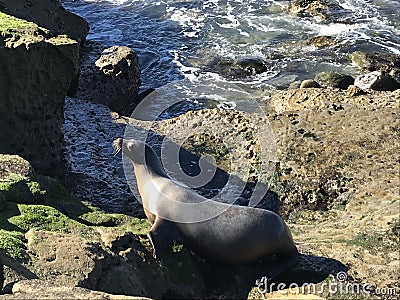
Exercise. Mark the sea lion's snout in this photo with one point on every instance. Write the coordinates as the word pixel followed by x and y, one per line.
pixel 134 149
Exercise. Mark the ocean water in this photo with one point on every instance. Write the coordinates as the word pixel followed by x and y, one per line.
pixel 186 39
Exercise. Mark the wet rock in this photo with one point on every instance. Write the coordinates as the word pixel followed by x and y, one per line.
pixel 251 65
pixel 378 81
pixel 113 79
pixel 40 289
pixel 333 79
pixel 37 71
pixel 309 83
pixel 322 41
pixel 373 61
pixel 49 14
pixel 237 68
pixel 325 10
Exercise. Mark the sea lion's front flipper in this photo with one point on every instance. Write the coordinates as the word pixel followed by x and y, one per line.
pixel 162 235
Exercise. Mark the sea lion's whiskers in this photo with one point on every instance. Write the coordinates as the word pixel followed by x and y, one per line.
pixel 117 145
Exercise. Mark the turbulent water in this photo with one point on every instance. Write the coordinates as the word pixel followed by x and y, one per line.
pixel 176 39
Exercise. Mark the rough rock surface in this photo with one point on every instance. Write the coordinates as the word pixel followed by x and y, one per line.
pixel 326 10
pixel 36 72
pixel 59 239
pixel 336 175
pixel 372 61
pixel 48 14
pixel 113 79
pixel 39 289
pixel 333 79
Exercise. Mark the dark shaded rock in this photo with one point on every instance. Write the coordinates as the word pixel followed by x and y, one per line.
pixel 113 80
pixel 251 65
pixel 321 41
pixel 49 14
pixel 2 201
pixel 378 81
pixel 37 69
pixel 326 10
pixel 1 272
pixel 309 83
pixel 333 79
pixel 373 61
pixel 240 68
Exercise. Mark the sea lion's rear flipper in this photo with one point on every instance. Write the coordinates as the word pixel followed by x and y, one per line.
pixel 162 235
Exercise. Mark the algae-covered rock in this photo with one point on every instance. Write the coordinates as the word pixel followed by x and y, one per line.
pixel 333 79
pixel 48 14
pixel 47 233
pixel 373 61
pixel 37 69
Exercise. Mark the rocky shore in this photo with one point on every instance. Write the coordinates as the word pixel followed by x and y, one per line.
pixel 335 182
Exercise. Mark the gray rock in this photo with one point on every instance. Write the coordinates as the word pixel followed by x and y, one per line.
pixel 373 61
pixel 326 10
pixel 114 79
pixel 309 83
pixel 333 79
pixel 378 81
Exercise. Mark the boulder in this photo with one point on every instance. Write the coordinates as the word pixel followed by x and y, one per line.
pixel 333 79
pixel 373 61
pixel 322 41
pixel 378 81
pixel 309 83
pixel 49 14
pixel 113 79
pixel 37 69
pixel 326 10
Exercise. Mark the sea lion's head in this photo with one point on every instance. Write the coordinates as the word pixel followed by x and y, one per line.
pixel 134 149
pixel 137 151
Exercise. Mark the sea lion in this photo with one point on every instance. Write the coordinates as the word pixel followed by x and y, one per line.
pixel 237 235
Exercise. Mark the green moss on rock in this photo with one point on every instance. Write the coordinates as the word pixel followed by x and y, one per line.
pixel 10 25
pixel 44 218
pixel 13 242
